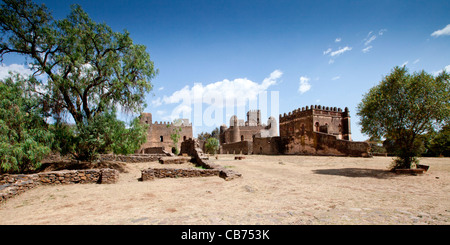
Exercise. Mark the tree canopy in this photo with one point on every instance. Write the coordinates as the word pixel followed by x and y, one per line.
pixel 90 70
pixel 24 135
pixel 403 107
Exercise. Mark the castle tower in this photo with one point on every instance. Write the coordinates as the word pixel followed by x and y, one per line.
pixel 346 131
pixel 146 118
pixel 254 118
pixel 223 128
pixel 272 123
pixel 235 134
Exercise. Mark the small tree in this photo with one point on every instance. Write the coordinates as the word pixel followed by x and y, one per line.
pixel 175 135
pixel 212 145
pixel 402 108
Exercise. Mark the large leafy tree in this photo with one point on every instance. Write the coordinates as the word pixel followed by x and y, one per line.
pixel 104 134
pixel 24 136
pixel 403 107
pixel 90 69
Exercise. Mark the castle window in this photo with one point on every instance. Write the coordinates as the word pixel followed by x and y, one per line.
pixel 317 126
pixel 161 139
pixel 242 137
pixel 184 138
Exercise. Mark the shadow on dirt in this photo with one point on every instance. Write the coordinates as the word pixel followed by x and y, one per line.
pixel 357 172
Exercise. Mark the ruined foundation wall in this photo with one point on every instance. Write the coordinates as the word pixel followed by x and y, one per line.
pixel 242 147
pixel 14 184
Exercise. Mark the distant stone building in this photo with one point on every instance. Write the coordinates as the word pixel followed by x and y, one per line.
pixel 158 134
pixel 316 130
pixel 239 136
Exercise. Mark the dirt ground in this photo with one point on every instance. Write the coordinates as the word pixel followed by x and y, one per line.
pixel 272 190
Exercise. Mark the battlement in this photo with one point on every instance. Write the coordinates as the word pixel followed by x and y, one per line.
pixel 185 123
pixel 313 110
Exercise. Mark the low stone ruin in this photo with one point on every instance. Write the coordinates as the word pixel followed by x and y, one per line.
pixel 14 184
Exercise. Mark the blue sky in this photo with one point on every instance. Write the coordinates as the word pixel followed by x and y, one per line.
pixel 309 52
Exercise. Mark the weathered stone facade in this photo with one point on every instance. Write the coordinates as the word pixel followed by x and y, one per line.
pixel 158 134
pixel 244 131
pixel 326 120
pixel 313 131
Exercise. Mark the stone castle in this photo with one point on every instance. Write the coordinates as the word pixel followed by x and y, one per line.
pixel 158 134
pixel 244 131
pixel 315 130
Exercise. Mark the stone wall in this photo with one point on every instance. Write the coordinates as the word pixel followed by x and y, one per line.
pixel 191 147
pixel 174 160
pixel 152 150
pixel 267 146
pixel 241 147
pixel 151 173
pixel 132 158
pixel 14 184
pixel 188 147
pixel 330 145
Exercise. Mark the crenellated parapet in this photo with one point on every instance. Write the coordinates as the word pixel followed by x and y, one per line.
pixel 313 110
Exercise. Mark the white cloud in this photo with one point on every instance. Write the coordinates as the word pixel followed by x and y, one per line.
pixel 157 102
pixel 160 88
pixel 446 69
pixel 340 51
pixel 441 32
pixel 336 78
pixel 404 63
pixel 337 40
pixel 15 68
pixel 370 39
pixel 416 61
pixel 239 89
pixel 367 49
pixel 327 51
pixel 331 61
pixel 304 85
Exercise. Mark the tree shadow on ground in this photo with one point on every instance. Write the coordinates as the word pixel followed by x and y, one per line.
pixel 357 172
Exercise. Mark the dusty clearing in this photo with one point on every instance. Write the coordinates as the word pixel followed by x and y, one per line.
pixel 273 190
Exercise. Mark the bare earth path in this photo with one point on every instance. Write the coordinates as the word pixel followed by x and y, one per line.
pixel 273 190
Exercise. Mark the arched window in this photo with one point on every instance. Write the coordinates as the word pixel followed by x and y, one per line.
pixel 317 126
pixel 161 139
pixel 242 137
